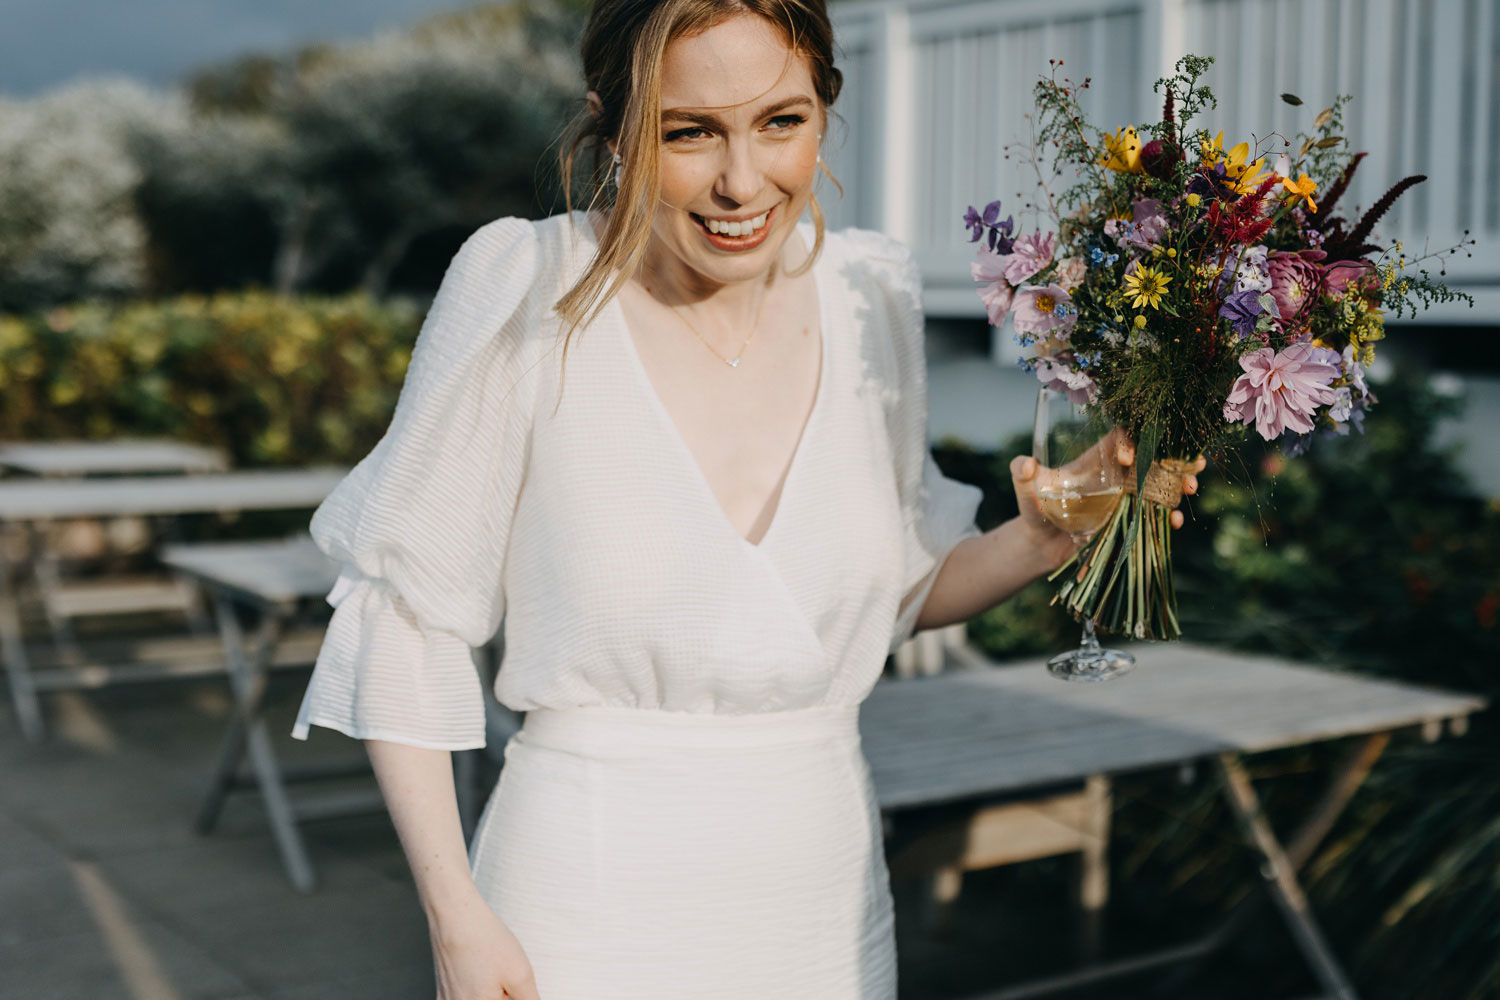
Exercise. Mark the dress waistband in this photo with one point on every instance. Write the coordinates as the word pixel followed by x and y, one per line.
pixel 615 731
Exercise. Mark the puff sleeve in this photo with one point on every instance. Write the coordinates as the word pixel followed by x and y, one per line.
pixel 420 524
pixel 936 512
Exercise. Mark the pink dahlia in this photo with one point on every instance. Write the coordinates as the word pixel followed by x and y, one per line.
pixel 1042 310
pixel 1295 278
pixel 1030 254
pixel 1282 390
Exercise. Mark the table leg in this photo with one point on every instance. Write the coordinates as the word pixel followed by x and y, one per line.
pixel 47 572
pixel 13 652
pixel 1346 780
pixel 1093 868
pixel 248 679
pixel 1281 878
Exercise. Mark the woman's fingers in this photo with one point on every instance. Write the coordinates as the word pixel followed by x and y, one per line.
pixel 1124 452
pixel 1190 484
pixel 1176 518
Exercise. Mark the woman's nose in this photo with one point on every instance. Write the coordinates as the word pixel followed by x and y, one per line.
pixel 740 177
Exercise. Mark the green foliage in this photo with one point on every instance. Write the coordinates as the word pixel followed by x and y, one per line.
pixel 1370 554
pixel 271 380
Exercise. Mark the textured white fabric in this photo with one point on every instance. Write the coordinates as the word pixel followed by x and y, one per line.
pixel 571 508
pixel 686 812
pixel 648 855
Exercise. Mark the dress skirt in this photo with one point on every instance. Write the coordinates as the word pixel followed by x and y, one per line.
pixel 654 855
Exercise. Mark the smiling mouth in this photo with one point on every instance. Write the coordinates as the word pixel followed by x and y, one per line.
pixel 737 234
pixel 734 230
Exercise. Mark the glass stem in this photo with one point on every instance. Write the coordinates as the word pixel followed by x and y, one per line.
pixel 1090 641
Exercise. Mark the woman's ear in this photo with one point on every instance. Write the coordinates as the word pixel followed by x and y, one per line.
pixel 596 108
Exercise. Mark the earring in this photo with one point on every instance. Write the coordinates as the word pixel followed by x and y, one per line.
pixel 617 169
pixel 820 147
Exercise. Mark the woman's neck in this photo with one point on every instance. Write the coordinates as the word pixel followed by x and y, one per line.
pixel 674 284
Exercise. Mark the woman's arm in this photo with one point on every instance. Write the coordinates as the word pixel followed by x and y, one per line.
pixel 986 569
pixel 475 955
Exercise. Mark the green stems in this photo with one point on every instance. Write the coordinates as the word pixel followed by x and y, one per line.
pixel 1121 579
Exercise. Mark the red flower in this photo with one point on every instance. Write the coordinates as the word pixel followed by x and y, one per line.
pixel 1242 221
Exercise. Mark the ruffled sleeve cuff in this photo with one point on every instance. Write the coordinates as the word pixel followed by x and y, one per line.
pixel 382 675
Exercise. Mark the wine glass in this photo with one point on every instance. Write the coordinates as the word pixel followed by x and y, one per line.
pixel 1079 482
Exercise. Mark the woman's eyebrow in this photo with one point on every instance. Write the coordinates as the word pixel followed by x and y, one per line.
pixel 706 118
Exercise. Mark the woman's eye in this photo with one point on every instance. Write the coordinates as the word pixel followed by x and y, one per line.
pixel 683 133
pixel 792 121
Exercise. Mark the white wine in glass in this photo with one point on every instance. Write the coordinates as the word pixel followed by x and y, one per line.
pixel 1079 482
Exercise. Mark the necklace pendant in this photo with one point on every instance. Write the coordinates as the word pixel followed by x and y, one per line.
pixel 735 363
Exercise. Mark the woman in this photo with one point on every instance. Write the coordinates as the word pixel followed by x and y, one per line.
pixel 703 537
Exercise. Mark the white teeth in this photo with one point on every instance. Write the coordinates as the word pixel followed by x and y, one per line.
pixel 736 228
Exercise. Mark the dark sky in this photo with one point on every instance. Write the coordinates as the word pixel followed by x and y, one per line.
pixel 47 42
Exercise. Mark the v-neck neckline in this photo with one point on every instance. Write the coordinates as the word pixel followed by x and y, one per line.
pixel 669 425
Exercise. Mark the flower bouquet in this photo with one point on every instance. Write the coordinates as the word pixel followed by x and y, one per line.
pixel 1187 293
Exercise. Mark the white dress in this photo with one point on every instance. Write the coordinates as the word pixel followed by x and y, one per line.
pixel 686 812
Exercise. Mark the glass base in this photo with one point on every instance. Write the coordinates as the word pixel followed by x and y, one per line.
pixel 1091 662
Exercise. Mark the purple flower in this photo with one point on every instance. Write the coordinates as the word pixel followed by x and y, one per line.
pixel 1212 182
pixel 1042 310
pixel 1247 269
pixel 1294 445
pixel 974 223
pixel 1150 221
pixel 989 219
pixel 1282 390
pixel 1242 309
pixel 1056 374
pixel 1030 253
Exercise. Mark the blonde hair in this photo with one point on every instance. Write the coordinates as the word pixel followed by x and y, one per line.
pixel 623 48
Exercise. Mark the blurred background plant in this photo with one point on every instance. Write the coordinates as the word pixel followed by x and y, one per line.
pixel 330 169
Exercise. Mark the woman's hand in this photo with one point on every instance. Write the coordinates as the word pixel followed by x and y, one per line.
pixel 1125 455
pixel 477 957
pixel 1053 540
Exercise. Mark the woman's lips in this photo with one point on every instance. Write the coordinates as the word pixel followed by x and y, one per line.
pixel 737 243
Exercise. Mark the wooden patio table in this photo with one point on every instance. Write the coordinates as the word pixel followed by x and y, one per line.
pixel 270 579
pixel 981 731
pixel 33 503
pixel 117 456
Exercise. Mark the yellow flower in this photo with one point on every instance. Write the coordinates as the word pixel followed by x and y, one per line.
pixel 1303 186
pixel 1145 287
pixel 1122 151
pixel 1140 322
pixel 1242 176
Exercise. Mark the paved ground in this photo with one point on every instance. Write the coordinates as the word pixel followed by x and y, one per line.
pixel 106 892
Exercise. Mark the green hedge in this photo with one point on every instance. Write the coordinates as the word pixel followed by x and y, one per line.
pixel 271 380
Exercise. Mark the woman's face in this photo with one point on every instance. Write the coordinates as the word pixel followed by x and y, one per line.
pixel 739 147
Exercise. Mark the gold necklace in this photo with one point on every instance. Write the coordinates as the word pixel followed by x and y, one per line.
pixel 735 363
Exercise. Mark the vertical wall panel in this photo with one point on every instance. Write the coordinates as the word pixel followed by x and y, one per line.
pixel 1424 74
